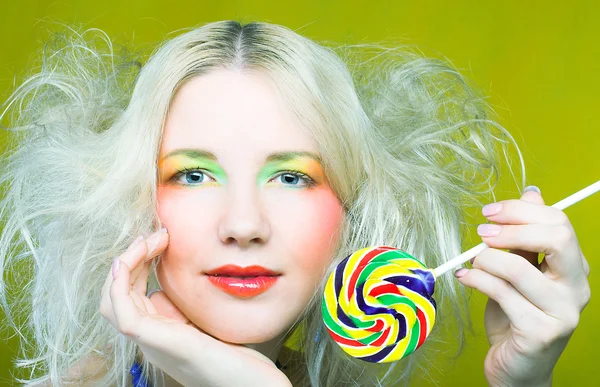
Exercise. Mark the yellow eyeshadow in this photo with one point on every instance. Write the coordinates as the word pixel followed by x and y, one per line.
pixel 307 165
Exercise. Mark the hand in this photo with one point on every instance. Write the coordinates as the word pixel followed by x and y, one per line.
pixel 532 309
pixel 166 337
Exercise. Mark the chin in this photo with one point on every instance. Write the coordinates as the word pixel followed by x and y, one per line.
pixel 238 321
pixel 243 325
pixel 249 334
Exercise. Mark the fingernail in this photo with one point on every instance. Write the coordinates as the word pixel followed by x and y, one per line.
pixel 115 267
pixel 491 209
pixel 151 292
pixel 461 272
pixel 532 188
pixel 488 229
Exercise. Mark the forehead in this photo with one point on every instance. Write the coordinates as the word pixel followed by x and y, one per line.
pixel 231 112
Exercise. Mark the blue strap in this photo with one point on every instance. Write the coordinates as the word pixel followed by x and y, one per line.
pixel 137 376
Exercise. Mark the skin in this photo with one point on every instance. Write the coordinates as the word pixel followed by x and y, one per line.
pixel 243 212
pixel 533 308
pixel 240 209
pixel 239 183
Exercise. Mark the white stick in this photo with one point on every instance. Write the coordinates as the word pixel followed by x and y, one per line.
pixel 464 257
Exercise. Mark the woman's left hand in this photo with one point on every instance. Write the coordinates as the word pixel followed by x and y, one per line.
pixel 167 338
pixel 532 309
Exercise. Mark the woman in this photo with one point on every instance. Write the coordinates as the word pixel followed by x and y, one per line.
pixel 246 151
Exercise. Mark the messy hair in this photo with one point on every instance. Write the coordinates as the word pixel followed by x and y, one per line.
pixel 408 145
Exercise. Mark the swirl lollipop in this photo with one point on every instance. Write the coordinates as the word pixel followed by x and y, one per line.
pixel 378 303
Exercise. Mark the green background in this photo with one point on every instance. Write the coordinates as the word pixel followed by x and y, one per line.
pixel 538 63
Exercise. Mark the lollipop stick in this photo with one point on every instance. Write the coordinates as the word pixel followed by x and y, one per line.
pixel 561 205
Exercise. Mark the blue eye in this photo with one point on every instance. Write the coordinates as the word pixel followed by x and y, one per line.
pixel 196 176
pixel 292 177
pixel 190 177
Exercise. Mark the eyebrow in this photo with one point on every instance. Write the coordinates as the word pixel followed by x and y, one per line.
pixel 271 157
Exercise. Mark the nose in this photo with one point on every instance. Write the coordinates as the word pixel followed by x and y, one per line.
pixel 243 220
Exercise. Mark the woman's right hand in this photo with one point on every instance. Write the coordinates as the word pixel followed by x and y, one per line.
pixel 166 337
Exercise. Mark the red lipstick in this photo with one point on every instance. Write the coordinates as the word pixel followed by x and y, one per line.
pixel 243 282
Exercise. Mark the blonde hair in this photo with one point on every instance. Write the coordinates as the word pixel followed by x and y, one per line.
pixel 407 145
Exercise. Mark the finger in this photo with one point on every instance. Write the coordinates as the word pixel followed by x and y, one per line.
pixel 143 304
pixel 150 247
pixel 141 282
pixel 525 278
pixel 149 306
pixel 530 208
pixel 531 256
pixel 518 309
pixel 106 309
pixel 165 307
pixel 126 314
pixel 519 212
pixel 558 243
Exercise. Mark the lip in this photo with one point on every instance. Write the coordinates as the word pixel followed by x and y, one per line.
pixel 238 271
pixel 242 282
pixel 243 287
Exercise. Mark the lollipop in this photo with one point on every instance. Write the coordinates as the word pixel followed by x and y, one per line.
pixel 378 303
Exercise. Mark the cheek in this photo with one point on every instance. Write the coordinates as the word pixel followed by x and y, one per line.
pixel 304 225
pixel 311 228
pixel 169 212
pixel 180 214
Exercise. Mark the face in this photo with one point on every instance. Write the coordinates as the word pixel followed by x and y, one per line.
pixel 240 184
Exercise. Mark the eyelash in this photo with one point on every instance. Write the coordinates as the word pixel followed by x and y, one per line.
pixel 308 181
